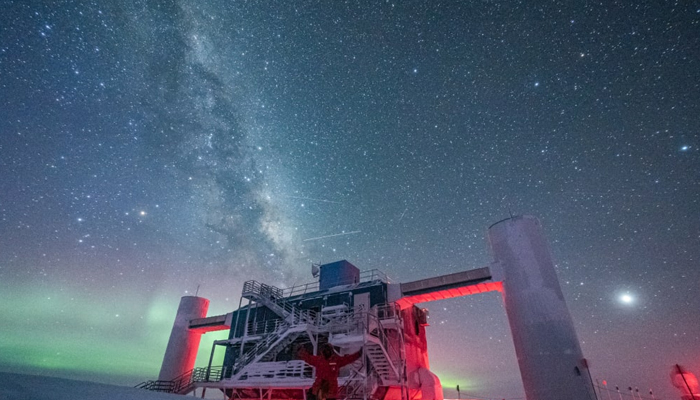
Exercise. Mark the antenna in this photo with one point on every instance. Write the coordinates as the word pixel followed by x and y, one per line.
pixel 197 292
pixel 510 212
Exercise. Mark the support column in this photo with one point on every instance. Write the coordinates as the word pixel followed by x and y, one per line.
pixel 549 355
pixel 181 352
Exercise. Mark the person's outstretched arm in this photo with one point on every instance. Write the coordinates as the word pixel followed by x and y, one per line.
pixel 349 359
pixel 308 358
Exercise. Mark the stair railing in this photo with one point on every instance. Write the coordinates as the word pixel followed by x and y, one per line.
pixel 184 383
pixel 394 354
pixel 277 297
pixel 260 347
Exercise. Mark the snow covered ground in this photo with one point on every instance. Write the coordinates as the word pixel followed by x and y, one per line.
pixel 33 387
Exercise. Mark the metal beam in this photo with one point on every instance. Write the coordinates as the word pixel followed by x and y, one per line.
pixel 447 286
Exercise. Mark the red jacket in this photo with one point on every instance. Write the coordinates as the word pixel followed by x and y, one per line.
pixel 328 370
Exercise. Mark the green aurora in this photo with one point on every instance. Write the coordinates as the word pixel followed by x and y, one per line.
pixel 61 334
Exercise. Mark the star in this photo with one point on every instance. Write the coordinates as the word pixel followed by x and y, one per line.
pixel 626 298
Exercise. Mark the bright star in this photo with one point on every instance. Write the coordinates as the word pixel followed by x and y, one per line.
pixel 537 84
pixel 626 298
pixel 685 148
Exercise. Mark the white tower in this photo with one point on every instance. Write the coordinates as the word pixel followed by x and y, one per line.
pixel 549 356
pixel 183 344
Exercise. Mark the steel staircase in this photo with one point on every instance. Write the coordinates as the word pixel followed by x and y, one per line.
pixel 268 347
pixel 381 362
pixel 349 330
pixel 184 383
pixel 273 298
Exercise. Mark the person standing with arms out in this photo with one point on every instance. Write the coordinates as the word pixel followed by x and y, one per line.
pixel 328 366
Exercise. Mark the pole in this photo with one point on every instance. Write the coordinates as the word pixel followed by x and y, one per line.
pixel 605 383
pixel 590 378
pixel 692 396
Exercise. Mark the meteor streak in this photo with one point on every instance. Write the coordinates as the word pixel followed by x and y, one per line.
pixel 329 236
pixel 402 214
pixel 313 199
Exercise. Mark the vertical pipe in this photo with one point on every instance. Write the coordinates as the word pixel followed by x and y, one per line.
pixel 549 355
pixel 183 344
pixel 245 329
pixel 238 315
pixel 211 358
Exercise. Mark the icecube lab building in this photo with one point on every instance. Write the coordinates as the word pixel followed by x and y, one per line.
pixel 351 310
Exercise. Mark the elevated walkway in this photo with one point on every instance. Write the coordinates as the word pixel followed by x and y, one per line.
pixel 211 324
pixel 447 286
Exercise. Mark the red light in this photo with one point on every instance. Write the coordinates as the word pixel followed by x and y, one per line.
pixel 483 287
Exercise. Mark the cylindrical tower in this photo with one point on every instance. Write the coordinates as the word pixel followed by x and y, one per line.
pixel 182 347
pixel 549 355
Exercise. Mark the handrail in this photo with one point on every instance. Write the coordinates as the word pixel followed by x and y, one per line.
pixel 365 276
pixel 277 297
pixel 358 321
pixel 185 382
pixel 257 349
pixel 391 351
pixel 350 387
pixel 264 327
pixel 261 288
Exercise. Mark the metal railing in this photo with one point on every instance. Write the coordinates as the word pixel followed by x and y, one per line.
pixel 365 276
pixel 304 288
pixel 177 385
pixel 387 311
pixel 264 327
pixel 275 297
pixel 184 383
pixel 358 321
pixel 355 387
pixel 393 353
pixel 280 370
pixel 261 347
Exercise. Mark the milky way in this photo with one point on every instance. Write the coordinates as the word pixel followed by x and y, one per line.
pixel 156 149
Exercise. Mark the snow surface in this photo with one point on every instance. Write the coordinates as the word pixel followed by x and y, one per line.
pixel 33 387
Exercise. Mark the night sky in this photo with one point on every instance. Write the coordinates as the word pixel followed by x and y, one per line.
pixel 151 148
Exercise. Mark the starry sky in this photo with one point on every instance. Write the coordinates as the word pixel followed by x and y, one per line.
pixel 155 149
